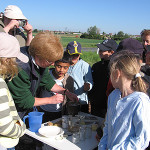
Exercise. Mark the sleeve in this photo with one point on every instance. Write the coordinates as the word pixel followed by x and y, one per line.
pixel 47 80
pixel 20 90
pixel 8 126
pixel 141 124
pixel 88 75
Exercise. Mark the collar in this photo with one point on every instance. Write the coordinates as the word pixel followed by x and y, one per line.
pixel 33 60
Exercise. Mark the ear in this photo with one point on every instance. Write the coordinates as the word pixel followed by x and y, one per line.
pixel 116 74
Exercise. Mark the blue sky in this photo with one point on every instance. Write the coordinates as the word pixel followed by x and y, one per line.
pixel 110 16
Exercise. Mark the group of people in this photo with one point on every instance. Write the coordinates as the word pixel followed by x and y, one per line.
pixel 116 86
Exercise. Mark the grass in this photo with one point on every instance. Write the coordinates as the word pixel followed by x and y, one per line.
pixel 65 39
pixel 90 57
pixel 83 42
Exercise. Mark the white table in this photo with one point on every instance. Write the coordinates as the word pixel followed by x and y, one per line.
pixel 66 144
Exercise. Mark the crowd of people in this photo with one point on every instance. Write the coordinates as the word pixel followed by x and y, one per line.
pixel 117 86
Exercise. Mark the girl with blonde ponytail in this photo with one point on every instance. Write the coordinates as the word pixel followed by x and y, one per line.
pixel 127 124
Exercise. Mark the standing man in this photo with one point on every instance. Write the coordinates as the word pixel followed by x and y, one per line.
pixel 11 20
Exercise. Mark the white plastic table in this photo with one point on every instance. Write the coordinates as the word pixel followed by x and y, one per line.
pixel 66 144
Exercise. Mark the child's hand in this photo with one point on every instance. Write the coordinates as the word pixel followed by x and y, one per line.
pixel 86 86
pixel 71 96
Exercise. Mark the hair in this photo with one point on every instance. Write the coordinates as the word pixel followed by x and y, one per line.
pixel 46 45
pixel 66 59
pixel 145 32
pixel 8 67
pixel 128 63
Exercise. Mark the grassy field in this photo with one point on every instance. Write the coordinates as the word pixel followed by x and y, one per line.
pixel 90 57
pixel 83 42
pixel 65 39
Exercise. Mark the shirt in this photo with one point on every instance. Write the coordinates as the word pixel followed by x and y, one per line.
pixel 9 130
pixel 127 125
pixel 81 73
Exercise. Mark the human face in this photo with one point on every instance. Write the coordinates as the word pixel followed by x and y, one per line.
pixel 61 69
pixel 75 58
pixel 42 63
pixel 146 40
pixel 105 54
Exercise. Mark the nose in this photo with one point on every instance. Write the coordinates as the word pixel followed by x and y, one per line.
pixel 61 69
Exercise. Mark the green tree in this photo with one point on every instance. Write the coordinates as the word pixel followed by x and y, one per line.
pixel 93 30
pixel 120 34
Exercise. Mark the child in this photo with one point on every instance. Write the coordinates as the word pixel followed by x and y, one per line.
pixel 127 121
pixel 132 45
pixel 59 74
pixel 11 126
pixel 81 73
pixel 100 74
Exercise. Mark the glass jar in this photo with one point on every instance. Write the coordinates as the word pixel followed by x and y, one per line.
pixel 82 133
pixel 75 137
pixel 88 132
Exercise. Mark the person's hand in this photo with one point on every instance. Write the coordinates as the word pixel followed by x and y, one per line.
pixel 56 99
pixel 86 86
pixel 71 96
pixel 13 23
pixel 28 28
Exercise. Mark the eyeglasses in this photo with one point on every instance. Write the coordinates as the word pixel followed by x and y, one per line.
pixel 49 62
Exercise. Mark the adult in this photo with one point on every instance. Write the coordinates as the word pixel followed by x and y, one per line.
pixel 44 50
pixel 10 22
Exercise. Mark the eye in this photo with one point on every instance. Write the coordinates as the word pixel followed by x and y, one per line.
pixel 65 68
pixel 59 66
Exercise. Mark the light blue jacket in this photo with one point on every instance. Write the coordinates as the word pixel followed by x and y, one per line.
pixel 127 125
pixel 81 73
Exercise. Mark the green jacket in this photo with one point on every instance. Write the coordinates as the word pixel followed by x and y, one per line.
pixel 24 86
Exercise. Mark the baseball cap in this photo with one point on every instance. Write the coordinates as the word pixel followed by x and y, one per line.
pixel 107 45
pixel 131 45
pixel 74 48
pixel 9 47
pixel 14 12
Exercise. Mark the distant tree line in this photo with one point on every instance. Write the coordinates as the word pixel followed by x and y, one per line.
pixel 94 33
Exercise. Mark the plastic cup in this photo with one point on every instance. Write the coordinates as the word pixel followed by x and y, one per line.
pixel 35 120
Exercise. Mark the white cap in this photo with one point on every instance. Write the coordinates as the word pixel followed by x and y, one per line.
pixel 9 47
pixel 14 12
